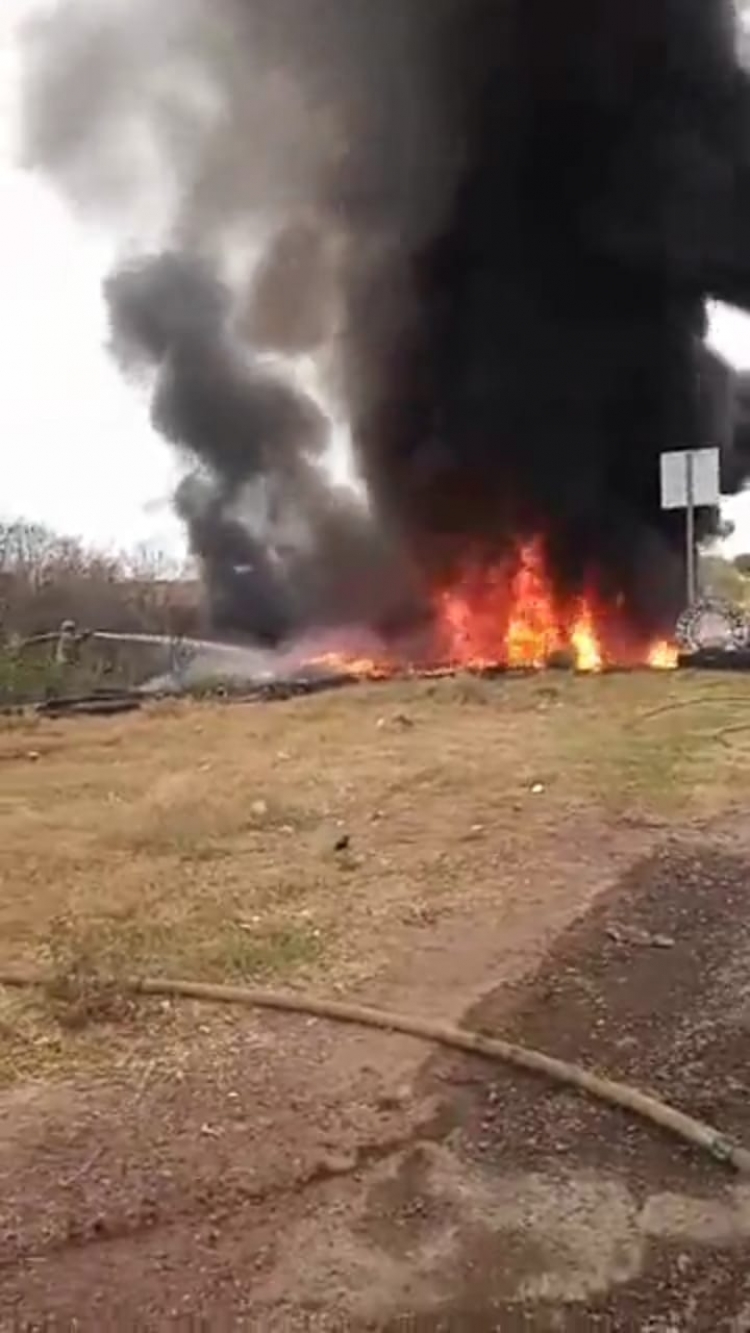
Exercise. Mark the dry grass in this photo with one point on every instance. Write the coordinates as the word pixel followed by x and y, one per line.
pixel 202 839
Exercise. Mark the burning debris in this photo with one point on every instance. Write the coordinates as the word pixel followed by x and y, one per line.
pixel 483 236
pixel 510 615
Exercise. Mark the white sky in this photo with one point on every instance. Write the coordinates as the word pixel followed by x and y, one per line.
pixel 76 447
pixel 77 450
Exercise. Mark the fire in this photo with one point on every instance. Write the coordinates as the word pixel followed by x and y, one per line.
pixel 585 644
pixel 663 656
pixel 533 632
pixel 364 668
pixel 516 620
pixel 509 615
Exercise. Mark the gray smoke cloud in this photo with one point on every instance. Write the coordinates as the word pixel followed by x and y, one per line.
pixel 282 546
pixel 234 122
pixel 495 224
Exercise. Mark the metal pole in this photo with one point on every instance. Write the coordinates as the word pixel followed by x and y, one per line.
pixel 692 589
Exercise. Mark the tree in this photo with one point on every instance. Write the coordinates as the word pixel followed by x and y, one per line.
pixel 46 578
pixel 721 578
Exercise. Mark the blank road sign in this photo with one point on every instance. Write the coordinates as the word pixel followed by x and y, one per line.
pixel 675 478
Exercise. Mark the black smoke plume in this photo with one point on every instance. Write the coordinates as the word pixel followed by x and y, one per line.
pixel 496 224
pixel 282 548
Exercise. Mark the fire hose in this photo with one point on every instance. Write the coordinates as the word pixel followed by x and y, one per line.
pixel 649 1108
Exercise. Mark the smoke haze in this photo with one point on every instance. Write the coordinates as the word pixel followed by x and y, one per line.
pixel 492 224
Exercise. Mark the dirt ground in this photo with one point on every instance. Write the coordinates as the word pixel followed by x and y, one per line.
pixel 560 861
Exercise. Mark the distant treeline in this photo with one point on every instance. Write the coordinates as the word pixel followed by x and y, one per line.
pixel 46 578
pixel 727 579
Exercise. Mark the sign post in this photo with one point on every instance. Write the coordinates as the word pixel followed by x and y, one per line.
pixel 690 480
pixel 692 590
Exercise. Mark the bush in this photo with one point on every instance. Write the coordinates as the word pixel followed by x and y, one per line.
pixel 25 679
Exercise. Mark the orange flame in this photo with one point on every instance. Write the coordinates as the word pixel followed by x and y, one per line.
pixel 585 644
pixel 516 620
pixel 364 668
pixel 662 656
pixel 509 615
pixel 533 633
